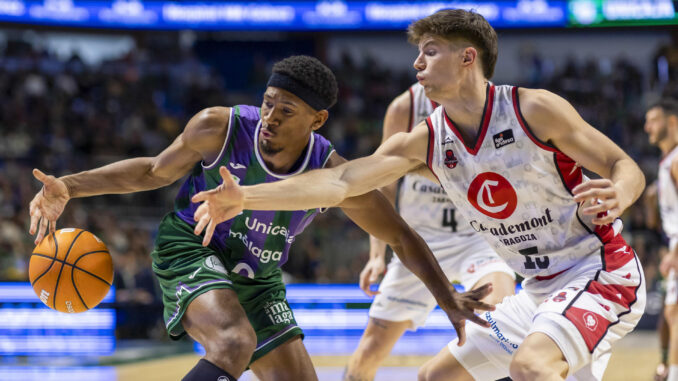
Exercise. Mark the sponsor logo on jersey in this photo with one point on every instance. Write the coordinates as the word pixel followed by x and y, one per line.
pixel 268 229
pixel 492 195
pixel 450 160
pixel 424 187
pixel 591 321
pixel 503 138
pixel 237 166
pixel 448 140
pixel 264 255
pixel 523 227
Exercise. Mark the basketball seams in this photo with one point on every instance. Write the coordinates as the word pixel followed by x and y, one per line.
pixel 75 287
pixel 87 272
pixel 56 285
pixel 76 261
pixel 56 251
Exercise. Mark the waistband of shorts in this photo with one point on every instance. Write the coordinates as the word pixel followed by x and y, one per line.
pixel 547 277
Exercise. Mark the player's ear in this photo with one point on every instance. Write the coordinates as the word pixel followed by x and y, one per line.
pixel 469 55
pixel 319 119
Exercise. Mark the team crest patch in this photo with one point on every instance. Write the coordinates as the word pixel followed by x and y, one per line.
pixel 503 138
pixel 560 297
pixel 450 160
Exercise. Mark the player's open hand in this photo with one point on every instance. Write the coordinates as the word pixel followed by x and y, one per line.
pixel 370 274
pixel 218 205
pixel 600 197
pixel 47 205
pixel 462 307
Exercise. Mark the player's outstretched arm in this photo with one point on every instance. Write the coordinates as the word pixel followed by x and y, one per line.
pixel 554 120
pixel 315 189
pixel 198 140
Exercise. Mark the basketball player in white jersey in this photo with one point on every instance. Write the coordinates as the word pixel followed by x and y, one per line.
pixel 506 158
pixel 661 125
pixel 403 302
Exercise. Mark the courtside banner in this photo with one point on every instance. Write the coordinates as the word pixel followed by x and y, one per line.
pixel 272 15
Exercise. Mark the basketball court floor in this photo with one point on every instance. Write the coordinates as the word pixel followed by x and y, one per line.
pixel 634 359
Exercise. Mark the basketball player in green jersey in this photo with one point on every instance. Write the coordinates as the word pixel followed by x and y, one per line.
pixel 225 290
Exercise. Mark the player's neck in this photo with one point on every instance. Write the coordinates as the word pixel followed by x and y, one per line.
pixel 465 105
pixel 667 145
pixel 285 161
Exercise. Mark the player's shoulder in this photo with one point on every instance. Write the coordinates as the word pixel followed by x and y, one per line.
pixel 674 166
pixel 401 105
pixel 536 101
pixel 207 129
pixel 210 117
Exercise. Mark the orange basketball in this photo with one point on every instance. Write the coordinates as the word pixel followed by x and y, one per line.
pixel 71 270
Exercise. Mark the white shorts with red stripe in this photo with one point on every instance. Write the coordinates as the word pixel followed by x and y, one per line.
pixel 584 310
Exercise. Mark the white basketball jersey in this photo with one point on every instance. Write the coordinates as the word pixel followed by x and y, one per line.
pixel 514 189
pixel 423 204
pixel 668 196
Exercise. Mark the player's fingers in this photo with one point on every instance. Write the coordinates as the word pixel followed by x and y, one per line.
pixel 52 226
pixel 202 222
pixel 208 233
pixel 587 195
pixel 374 276
pixel 42 228
pixel 590 184
pixel 481 292
pixel 38 174
pixel 461 332
pixel 201 196
pixel 364 284
pixel 200 212
pixel 480 306
pixel 476 319
pixel 607 218
pixel 35 218
pixel 597 208
pixel 226 176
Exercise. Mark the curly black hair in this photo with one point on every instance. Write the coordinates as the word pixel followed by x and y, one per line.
pixel 310 73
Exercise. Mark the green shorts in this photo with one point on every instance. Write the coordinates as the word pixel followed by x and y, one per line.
pixel 186 269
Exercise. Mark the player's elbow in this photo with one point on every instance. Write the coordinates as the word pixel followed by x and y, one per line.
pixel 157 176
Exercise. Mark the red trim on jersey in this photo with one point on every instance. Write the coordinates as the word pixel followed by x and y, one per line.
pixel 434 104
pixel 484 123
pixel 523 123
pixel 570 173
pixel 431 144
pixel 410 124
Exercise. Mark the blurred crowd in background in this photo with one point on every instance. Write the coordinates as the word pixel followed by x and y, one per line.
pixel 64 116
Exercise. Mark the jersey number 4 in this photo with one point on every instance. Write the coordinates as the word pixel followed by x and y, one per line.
pixel 449 220
pixel 537 262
